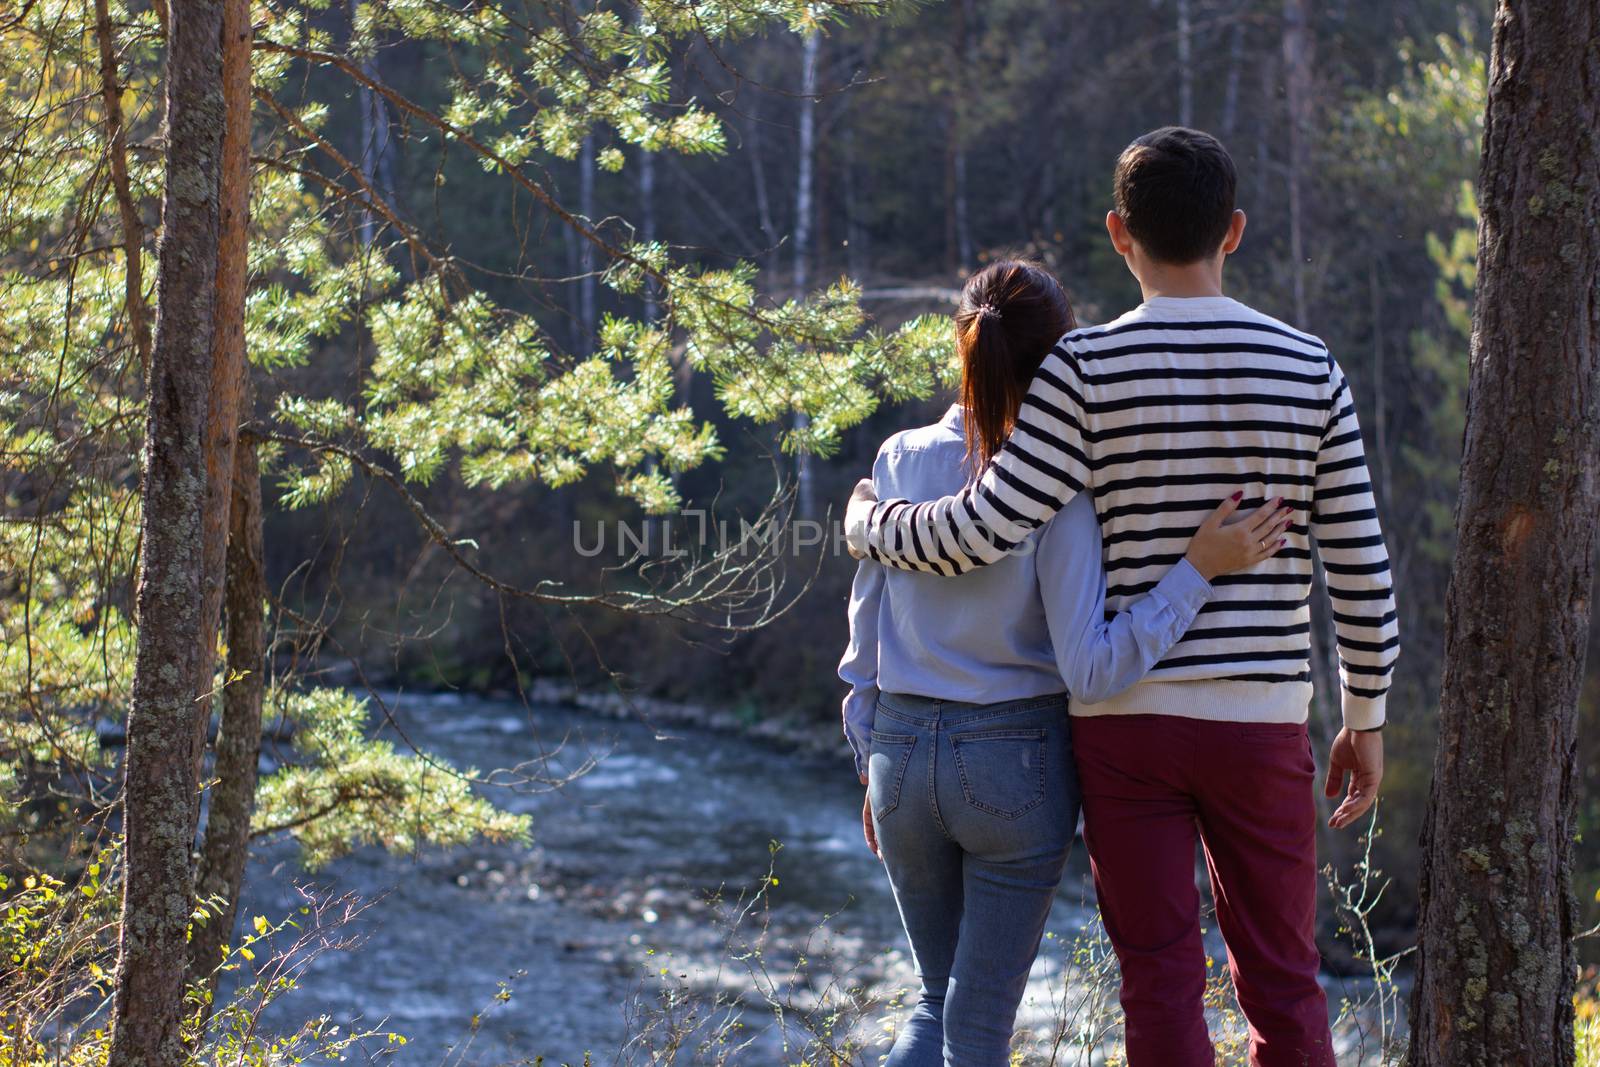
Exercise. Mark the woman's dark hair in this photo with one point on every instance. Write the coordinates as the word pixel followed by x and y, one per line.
pixel 1010 313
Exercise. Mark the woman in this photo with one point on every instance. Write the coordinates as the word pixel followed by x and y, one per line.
pixel 957 711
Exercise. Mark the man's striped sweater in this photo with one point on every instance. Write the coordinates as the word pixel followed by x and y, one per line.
pixel 1162 413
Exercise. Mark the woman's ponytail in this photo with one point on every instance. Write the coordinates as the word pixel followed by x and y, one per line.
pixel 990 393
pixel 1011 312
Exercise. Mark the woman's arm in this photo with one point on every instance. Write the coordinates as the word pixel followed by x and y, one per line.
pixel 859 667
pixel 1099 658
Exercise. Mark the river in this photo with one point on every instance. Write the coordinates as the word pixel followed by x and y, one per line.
pixel 613 905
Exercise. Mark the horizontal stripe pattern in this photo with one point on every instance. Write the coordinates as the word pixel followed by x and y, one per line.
pixel 1164 413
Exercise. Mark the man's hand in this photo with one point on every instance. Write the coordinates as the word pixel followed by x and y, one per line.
pixel 867 829
pixel 856 514
pixel 1360 755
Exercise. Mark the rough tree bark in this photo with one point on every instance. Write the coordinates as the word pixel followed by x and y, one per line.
pixel 227 352
pixel 238 746
pixel 1496 964
pixel 160 773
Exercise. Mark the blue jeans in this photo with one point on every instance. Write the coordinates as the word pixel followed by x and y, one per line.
pixel 975 807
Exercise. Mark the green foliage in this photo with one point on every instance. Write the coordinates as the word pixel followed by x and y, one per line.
pixel 457 381
pixel 1422 136
pixel 306 285
pixel 54 953
pixel 464 381
pixel 1587 1025
pixel 58 947
pixel 351 788
pixel 458 374
pixel 1442 358
pixel 1426 130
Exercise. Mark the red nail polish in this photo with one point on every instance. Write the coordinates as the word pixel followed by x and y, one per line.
pixel 1238 496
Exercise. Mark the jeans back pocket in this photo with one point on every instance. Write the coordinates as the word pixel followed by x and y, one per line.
pixel 886 770
pixel 1002 771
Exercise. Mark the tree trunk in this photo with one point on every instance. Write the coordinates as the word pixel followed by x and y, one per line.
pixel 227 840
pixel 227 353
pixel 1496 965
pixel 758 185
pixel 160 772
pixel 966 62
pixel 117 154
pixel 656 530
pixel 804 205
pixel 373 155
pixel 1185 65
pixel 1230 91
pixel 588 318
pixel 1263 130
pixel 855 232
pixel 647 227
pixel 1380 389
pixel 1297 92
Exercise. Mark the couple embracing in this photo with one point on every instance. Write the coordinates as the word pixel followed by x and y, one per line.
pixel 1055 614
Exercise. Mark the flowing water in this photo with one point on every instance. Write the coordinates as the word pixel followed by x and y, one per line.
pixel 614 900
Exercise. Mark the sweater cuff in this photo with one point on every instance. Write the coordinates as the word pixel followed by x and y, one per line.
pixel 1364 713
pixel 857 518
pixel 1184 589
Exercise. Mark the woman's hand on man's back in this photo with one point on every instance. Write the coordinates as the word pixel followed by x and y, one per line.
pixel 1224 544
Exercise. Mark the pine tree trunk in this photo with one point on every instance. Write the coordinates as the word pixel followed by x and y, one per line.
pixel 1496 964
pixel 160 772
pixel 227 352
pixel 227 839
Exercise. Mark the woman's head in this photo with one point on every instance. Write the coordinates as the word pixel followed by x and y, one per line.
pixel 1011 312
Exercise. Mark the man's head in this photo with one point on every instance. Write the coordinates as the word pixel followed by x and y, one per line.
pixel 1174 192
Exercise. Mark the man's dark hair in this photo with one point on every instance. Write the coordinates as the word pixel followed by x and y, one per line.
pixel 1174 190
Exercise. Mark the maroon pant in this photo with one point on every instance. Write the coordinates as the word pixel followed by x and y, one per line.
pixel 1151 783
